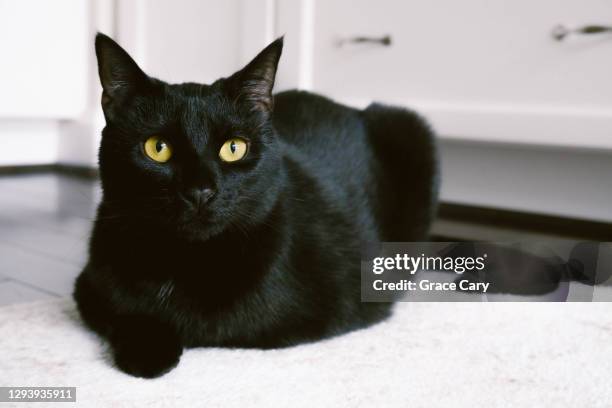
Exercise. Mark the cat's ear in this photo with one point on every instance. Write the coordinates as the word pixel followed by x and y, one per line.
pixel 253 84
pixel 120 76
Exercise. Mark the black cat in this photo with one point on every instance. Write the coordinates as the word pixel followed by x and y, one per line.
pixel 234 218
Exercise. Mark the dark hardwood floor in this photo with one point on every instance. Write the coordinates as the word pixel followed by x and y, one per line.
pixel 45 221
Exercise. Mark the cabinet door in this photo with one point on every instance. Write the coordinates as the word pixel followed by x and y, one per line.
pixel 479 69
pixel 44 47
pixel 182 40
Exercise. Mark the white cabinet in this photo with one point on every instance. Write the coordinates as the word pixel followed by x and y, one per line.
pixel 181 40
pixel 45 47
pixel 483 71
pixel 492 80
pixel 479 69
pixel 45 67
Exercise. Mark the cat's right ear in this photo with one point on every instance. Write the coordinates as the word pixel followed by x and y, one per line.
pixel 120 76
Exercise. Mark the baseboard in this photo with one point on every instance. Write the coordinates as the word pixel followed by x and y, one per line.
pixel 522 224
pixel 78 171
pixel 27 169
pixel 67 169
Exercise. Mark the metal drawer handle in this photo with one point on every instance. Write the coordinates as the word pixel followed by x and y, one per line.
pixel 384 40
pixel 560 31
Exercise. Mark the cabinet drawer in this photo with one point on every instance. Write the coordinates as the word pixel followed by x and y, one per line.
pixel 480 69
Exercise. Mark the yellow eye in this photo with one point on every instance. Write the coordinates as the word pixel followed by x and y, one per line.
pixel 158 149
pixel 233 150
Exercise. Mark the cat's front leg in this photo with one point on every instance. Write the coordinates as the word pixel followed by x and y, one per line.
pixel 145 347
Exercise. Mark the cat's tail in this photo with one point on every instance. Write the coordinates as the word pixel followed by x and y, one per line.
pixel 405 147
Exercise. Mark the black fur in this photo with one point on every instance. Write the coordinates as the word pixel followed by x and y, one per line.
pixel 273 259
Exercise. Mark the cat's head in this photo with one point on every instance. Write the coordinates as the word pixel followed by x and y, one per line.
pixel 189 158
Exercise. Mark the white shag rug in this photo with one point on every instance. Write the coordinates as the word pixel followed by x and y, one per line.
pixel 426 355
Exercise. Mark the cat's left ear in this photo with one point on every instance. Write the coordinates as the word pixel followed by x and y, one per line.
pixel 253 84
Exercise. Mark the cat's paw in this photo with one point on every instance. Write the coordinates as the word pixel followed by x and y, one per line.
pixel 147 354
pixel 145 361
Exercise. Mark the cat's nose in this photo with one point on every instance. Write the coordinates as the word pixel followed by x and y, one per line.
pixel 199 196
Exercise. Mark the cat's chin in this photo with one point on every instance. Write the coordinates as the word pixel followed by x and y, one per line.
pixel 198 230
